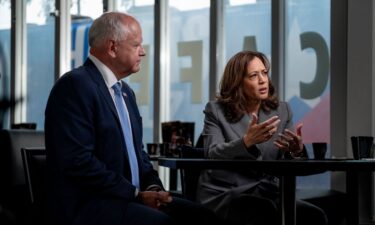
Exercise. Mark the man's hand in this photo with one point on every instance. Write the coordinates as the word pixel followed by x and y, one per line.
pixel 155 199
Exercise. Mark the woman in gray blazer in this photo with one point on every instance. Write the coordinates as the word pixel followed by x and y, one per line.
pixel 247 121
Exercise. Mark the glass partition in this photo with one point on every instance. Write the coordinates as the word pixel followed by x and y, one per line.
pixel 40 58
pixel 189 59
pixel 247 27
pixel 307 80
pixel 83 12
pixel 143 81
pixel 5 25
pixel 86 8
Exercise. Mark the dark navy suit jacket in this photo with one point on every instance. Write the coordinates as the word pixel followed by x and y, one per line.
pixel 88 173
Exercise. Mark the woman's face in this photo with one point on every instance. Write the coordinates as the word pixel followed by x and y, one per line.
pixel 256 82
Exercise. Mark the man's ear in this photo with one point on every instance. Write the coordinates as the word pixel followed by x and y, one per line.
pixel 112 48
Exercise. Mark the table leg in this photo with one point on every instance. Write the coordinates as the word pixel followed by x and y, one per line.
pixel 173 179
pixel 288 199
pixel 352 193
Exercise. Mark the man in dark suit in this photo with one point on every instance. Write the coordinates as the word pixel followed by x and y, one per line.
pixel 98 172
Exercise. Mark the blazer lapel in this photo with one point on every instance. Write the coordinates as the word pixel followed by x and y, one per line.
pixel 241 126
pixel 263 116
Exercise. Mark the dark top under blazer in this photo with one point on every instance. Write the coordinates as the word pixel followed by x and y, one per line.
pixel 88 167
pixel 223 140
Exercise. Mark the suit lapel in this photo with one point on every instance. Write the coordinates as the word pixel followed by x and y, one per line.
pixel 104 92
pixel 103 89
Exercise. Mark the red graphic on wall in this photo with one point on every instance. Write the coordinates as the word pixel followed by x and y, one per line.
pixel 316 123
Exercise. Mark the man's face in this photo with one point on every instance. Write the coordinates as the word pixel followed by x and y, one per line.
pixel 129 52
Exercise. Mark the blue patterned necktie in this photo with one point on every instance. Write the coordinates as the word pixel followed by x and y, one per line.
pixel 128 135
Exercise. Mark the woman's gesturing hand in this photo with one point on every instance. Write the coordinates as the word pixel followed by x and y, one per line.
pixel 290 141
pixel 262 132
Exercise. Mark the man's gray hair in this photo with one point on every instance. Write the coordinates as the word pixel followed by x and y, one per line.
pixel 109 26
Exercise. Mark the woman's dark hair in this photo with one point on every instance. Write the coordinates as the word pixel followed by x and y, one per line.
pixel 232 95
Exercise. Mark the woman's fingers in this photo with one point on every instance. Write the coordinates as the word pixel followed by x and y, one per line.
pixel 258 133
pixel 254 119
pixel 269 122
pixel 299 129
pixel 294 139
pixel 281 144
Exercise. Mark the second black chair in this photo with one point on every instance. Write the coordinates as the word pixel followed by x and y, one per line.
pixel 190 177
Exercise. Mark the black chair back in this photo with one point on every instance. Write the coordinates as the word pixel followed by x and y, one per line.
pixel 11 142
pixel 13 189
pixel 34 161
pixel 190 177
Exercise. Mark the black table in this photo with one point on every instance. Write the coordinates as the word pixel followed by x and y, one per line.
pixel 287 170
pixel 172 173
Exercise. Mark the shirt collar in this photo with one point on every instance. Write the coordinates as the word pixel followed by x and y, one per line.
pixel 108 76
